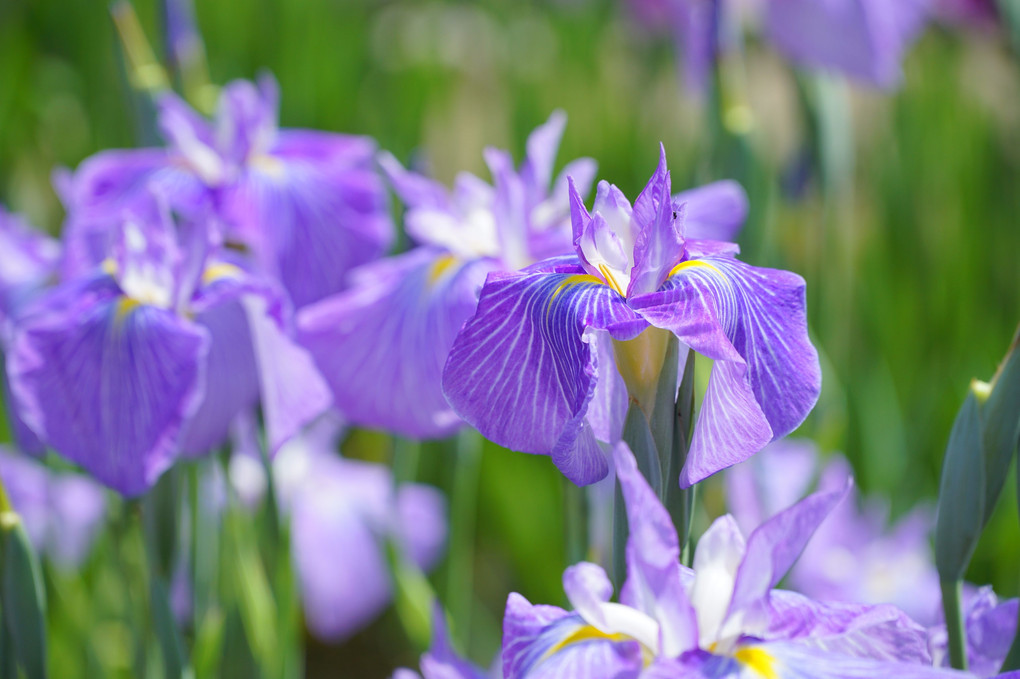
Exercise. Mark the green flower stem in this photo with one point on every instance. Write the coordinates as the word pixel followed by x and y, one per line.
pixel 954 624
pixel 463 510
pixel 575 502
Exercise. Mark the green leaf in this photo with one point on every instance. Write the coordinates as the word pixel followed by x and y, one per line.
pixel 24 599
pixel 961 504
pixel 1000 415
pixel 413 597
pixel 175 663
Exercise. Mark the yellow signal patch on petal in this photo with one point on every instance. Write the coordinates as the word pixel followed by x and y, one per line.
pixel 218 271
pixel 440 267
pixel 125 305
pixel 758 660
pixel 690 263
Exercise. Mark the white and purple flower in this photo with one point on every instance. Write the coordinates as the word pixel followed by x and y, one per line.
pixel 525 367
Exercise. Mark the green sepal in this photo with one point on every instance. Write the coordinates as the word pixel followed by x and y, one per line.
pixel 1000 415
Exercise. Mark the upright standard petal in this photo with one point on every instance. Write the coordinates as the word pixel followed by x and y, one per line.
pixel 523 369
pixel 109 384
pixel 382 344
pixel 714 211
pixel 752 322
pixel 659 241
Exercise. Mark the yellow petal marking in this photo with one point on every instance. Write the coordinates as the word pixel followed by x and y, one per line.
pixel 440 267
pixel 758 660
pixel 125 305
pixel 610 281
pixel 217 271
pixel 689 264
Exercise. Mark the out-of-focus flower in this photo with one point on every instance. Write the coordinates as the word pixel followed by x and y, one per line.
pixel 62 512
pixel 153 353
pixel 721 619
pixel 525 368
pixel 991 625
pixel 863 39
pixel 853 556
pixel 442 661
pixel 28 259
pixel 382 344
pixel 974 12
pixel 342 513
pixel 308 205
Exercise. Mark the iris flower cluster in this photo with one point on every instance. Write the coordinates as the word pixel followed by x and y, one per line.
pixel 234 292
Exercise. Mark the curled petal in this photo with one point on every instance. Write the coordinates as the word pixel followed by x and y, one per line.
pixel 752 323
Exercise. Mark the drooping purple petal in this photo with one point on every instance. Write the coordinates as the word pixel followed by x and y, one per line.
pixel 865 39
pixel 109 384
pixel 382 345
pixel 752 323
pixel 654 584
pixel 523 370
pixel 714 211
pixel 309 222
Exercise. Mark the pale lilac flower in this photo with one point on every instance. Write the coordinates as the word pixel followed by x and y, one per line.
pixel 990 624
pixel 524 370
pixel 721 619
pixel 854 555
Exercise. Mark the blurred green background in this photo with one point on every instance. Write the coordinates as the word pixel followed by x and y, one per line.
pixel 912 254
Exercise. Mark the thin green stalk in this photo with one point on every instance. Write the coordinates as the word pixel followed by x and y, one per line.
pixel 464 506
pixel 1012 661
pixel 954 624
pixel 620 532
pixel 406 453
pixel 575 502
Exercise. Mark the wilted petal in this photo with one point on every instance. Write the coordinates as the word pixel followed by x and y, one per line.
pixel 382 344
pixel 715 211
pixel 752 323
pixel 654 582
pixel 523 370
pixel 109 384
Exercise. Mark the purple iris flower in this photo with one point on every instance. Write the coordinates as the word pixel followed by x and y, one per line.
pixel 62 512
pixel 307 205
pixel 382 344
pixel 721 619
pixel 525 367
pixel 863 39
pixel 991 625
pixel 853 556
pixel 154 352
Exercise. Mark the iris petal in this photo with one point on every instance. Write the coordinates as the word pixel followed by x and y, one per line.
pixel 382 345
pixel 109 385
pixel 534 326
pixel 752 323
